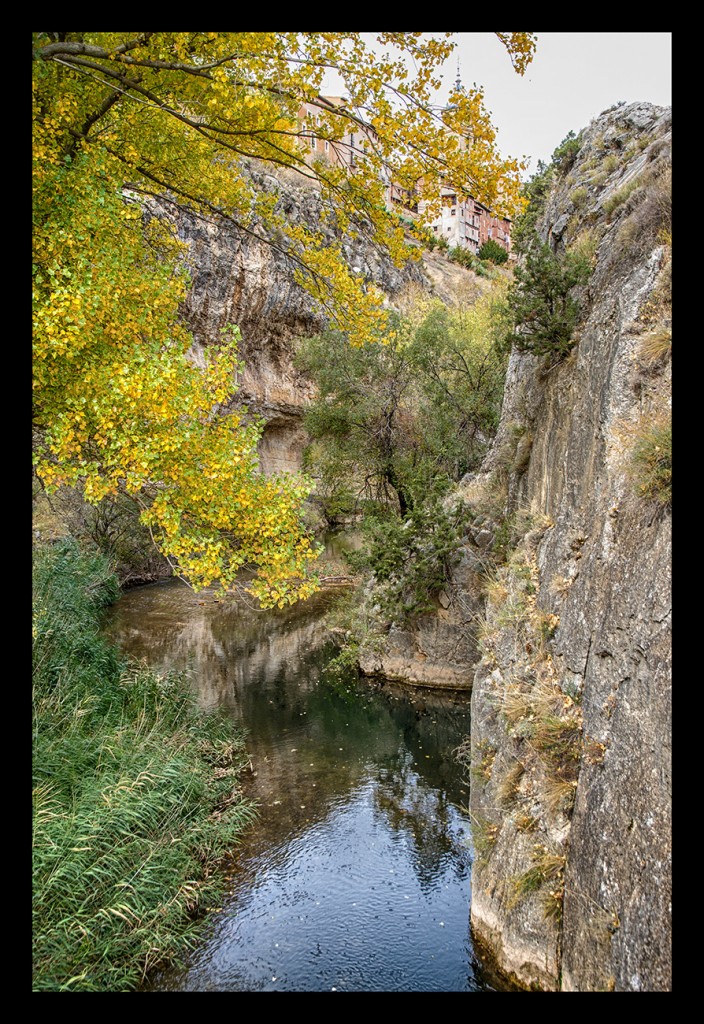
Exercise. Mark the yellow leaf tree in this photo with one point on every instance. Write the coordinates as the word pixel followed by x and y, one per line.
pixel 118 117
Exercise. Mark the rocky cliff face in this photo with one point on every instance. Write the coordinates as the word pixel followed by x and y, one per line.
pixel 571 774
pixel 558 611
pixel 237 279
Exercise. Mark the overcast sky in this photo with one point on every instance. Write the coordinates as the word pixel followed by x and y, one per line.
pixel 574 76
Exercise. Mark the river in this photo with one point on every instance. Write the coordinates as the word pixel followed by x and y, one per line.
pixel 356 875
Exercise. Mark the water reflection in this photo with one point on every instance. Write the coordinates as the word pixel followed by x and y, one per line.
pixel 356 876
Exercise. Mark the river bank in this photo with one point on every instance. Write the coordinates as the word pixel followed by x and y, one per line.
pixel 356 875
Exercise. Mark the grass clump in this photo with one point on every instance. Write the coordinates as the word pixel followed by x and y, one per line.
pixel 484 836
pixel 483 762
pixel 618 198
pixel 507 789
pixel 651 463
pixel 655 347
pixel 546 876
pixel 526 822
pixel 135 793
pixel 649 221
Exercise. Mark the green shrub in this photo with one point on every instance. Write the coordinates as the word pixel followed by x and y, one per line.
pixel 579 196
pixel 619 198
pixel 463 256
pixel 493 252
pixel 542 305
pixel 565 154
pixel 410 558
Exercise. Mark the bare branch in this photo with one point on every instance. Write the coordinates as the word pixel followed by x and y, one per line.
pixel 67 48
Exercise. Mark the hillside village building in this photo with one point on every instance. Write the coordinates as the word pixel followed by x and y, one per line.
pixel 464 223
pixel 348 150
pixel 468 224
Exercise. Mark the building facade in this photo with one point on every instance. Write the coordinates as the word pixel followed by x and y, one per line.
pixel 468 224
pixel 347 151
pixel 463 223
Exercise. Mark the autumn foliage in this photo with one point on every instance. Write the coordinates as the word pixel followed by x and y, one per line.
pixel 119 117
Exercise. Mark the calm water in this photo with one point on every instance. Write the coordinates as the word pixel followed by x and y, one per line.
pixel 356 876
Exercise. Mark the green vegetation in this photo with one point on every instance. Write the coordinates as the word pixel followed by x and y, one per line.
pixel 493 252
pixel 484 836
pixel 536 191
pixel 393 422
pixel 619 198
pixel 482 764
pixel 579 196
pixel 546 874
pixel 125 123
pixel 543 303
pixel 544 308
pixel 393 426
pixel 565 154
pixel 410 557
pixel 651 462
pixel 481 266
pixel 135 793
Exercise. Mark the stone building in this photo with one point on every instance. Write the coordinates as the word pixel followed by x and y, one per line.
pixel 347 151
pixel 469 224
pixel 463 223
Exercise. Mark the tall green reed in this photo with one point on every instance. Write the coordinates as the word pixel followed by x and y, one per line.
pixel 136 794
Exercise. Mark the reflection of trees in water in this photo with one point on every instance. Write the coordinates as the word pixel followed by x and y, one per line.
pixel 426 817
pixel 268 667
pixel 221 642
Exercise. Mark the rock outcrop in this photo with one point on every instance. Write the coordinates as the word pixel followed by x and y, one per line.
pixel 571 707
pixel 236 279
pixel 558 610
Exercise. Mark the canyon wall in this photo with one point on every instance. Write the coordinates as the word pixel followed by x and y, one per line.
pixel 571 705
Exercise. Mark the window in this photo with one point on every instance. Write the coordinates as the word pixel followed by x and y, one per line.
pixel 453 211
pixel 312 142
pixel 327 146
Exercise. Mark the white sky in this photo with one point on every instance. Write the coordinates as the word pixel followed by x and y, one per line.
pixel 573 77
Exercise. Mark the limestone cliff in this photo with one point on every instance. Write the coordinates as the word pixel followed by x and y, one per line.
pixel 571 774
pixel 238 279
